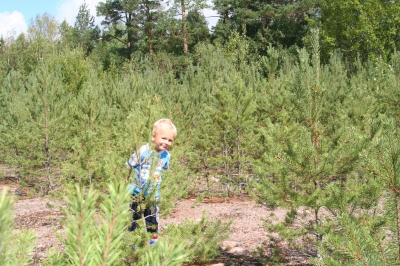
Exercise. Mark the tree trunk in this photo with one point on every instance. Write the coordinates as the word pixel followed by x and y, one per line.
pixel 148 31
pixel 184 30
pixel 397 202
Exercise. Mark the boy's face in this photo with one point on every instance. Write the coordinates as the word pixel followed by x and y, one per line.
pixel 163 138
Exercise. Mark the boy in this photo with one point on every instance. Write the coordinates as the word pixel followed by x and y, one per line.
pixel 164 132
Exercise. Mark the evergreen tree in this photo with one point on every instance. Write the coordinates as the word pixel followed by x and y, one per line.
pixel 87 110
pixel 68 38
pixel 313 159
pixel 383 161
pixel 199 31
pixel 3 66
pixel 383 86
pixel 227 139
pixel 171 35
pixel 280 23
pixel 32 113
pixel 356 241
pixel 87 33
pixel 371 237
pixel 182 7
pixel 120 22
pixel 150 17
pixel 46 112
pixel 130 22
pixel 89 241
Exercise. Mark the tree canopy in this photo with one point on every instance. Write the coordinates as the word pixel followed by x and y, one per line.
pixel 368 29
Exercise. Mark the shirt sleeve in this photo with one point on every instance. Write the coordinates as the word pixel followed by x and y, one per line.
pixel 133 161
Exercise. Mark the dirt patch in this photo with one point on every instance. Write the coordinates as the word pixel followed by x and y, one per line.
pixel 247 229
pixel 247 218
pixel 43 216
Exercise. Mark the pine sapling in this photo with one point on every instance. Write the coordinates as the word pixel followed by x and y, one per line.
pixel 15 247
pixel 113 225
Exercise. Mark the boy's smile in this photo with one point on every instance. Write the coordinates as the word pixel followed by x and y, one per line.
pixel 163 138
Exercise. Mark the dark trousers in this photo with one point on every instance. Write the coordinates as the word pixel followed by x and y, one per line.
pixel 150 214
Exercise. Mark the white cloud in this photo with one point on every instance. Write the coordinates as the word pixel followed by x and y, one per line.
pixel 12 24
pixel 68 10
pixel 211 17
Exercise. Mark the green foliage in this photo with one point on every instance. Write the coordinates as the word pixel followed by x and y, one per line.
pixel 166 254
pixel 187 9
pixel 313 160
pixel 43 27
pixel 175 184
pixel 94 236
pixel 78 234
pixel 200 238
pixel 13 54
pixel 5 225
pixel 236 50
pixel 271 62
pixel 365 29
pixel 31 116
pixel 131 23
pixel 198 30
pixel 74 68
pixel 383 161
pixel 112 229
pixel 280 23
pixel 227 149
pixel 383 87
pixel 86 32
pixel 188 242
pixel 15 249
pixel 356 241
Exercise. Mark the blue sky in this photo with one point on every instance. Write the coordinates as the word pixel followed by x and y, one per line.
pixel 29 9
pixel 15 15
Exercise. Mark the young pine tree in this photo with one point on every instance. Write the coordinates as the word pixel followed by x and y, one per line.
pixel 230 135
pixel 15 248
pixel 93 236
pixel 312 166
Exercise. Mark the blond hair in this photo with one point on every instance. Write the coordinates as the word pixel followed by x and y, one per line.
pixel 164 123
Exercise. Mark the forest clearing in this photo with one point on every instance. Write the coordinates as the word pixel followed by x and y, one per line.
pixel 287 134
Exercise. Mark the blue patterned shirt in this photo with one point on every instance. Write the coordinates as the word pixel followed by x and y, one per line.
pixel 140 161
